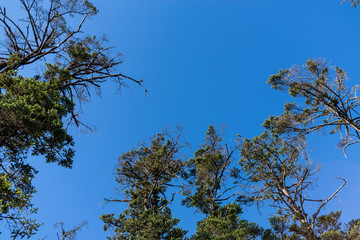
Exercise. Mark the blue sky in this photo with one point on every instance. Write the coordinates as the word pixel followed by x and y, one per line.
pixel 203 62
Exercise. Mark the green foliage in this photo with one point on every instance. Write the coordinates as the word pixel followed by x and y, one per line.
pixel 269 164
pixel 212 181
pixel 276 163
pixel 329 104
pixel 327 227
pixel 225 224
pixel 32 115
pixel 35 113
pixel 144 176
pixel 31 121
pixel 143 224
pixel 209 172
pixel 280 170
pixel 14 203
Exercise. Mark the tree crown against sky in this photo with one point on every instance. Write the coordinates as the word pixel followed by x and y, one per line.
pixel 57 73
pixel 330 104
pixel 278 170
pixel 214 191
pixel 35 112
pixel 144 176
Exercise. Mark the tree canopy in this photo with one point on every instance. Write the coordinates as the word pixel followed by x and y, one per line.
pixel 144 176
pixel 36 111
pixel 218 182
pixel 330 104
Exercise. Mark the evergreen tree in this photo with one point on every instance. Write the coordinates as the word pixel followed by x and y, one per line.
pixel 280 171
pixel 144 176
pixel 35 112
pixel 330 105
pixel 327 227
pixel 31 122
pixel 211 176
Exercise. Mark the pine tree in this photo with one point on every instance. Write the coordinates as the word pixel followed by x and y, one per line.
pixel 212 180
pixel 36 111
pixel 144 176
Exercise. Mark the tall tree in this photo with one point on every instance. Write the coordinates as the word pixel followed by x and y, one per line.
pixel 211 177
pixel 31 121
pixel 35 112
pixel 210 174
pixel 144 176
pixel 329 104
pixel 280 171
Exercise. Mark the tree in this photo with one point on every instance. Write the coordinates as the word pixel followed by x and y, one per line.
pixel 35 112
pixel 31 121
pixel 330 105
pixel 280 170
pixel 225 224
pixel 144 176
pixel 78 62
pixel 211 177
pixel 210 173
pixel 328 227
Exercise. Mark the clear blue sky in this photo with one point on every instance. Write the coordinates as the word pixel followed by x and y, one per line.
pixel 204 62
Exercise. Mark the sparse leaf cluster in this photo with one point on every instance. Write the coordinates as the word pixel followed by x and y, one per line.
pixel 329 103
